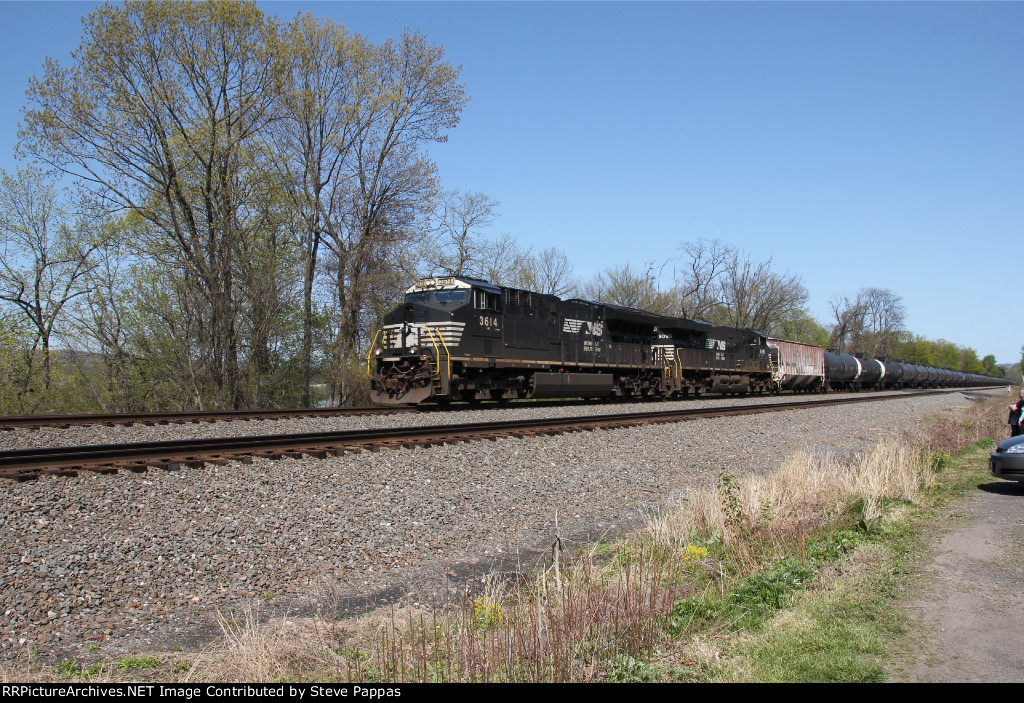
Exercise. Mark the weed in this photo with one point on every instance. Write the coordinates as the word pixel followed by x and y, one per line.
pixel 127 663
pixel 67 668
pixel 833 546
pixel 689 613
pixel 691 553
pixel 71 669
pixel 764 592
pixel 729 493
pixel 939 461
pixel 487 615
pixel 626 669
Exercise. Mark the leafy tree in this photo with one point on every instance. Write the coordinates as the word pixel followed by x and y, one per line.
pixel 156 115
pixel 328 84
pixel 989 366
pixel 15 358
pixel 800 326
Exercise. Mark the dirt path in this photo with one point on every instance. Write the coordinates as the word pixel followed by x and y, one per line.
pixel 968 599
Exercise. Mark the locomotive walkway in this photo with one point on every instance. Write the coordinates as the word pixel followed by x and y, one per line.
pixel 29 464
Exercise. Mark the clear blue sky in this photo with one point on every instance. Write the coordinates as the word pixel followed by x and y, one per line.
pixel 859 144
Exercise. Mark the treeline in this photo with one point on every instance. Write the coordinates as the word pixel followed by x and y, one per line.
pixel 220 205
pixel 720 284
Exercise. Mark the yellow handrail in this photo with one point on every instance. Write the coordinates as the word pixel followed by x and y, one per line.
pixel 437 352
pixel 370 353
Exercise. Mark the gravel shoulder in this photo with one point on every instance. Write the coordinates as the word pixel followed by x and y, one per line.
pixel 967 602
pixel 143 562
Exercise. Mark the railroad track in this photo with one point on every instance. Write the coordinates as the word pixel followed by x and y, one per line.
pixel 29 464
pixel 33 422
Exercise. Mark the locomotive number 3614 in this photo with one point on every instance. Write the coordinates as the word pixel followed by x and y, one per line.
pixel 488 322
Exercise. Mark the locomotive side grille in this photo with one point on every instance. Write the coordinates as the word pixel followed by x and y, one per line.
pixel 451 332
pixel 667 350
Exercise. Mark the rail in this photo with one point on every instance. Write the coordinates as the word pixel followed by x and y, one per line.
pixel 29 464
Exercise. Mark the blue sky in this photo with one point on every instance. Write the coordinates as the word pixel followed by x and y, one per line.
pixel 859 144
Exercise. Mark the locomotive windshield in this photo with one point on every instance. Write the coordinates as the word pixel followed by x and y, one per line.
pixel 443 297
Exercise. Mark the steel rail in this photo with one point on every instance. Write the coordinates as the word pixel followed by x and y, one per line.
pixel 10 422
pixel 27 464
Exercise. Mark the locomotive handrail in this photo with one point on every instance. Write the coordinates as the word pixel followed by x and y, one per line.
pixel 437 353
pixel 373 344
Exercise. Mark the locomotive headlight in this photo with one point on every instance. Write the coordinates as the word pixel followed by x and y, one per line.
pixel 378 352
pixel 414 351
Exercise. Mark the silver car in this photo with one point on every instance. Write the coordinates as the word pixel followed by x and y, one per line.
pixel 1007 461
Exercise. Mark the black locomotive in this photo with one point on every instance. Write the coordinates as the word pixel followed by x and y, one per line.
pixel 459 338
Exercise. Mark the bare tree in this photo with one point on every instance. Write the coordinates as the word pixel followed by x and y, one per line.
pixel 697 276
pixel 883 319
pixel 459 247
pixel 869 323
pixel 754 296
pixel 552 270
pixel 848 325
pixel 723 285
pixel 47 254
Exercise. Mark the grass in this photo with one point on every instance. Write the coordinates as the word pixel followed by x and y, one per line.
pixel 791 576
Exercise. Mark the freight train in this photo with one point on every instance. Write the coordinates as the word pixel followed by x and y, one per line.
pixel 457 338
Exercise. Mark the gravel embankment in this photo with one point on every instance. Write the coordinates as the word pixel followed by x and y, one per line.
pixel 145 561
pixel 99 434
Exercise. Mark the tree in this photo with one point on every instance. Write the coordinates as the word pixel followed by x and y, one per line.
pixel 989 366
pixel 622 285
pixel 328 82
pixel 697 278
pixel 389 185
pixel 156 115
pixel 725 286
pixel 753 295
pixel 869 323
pixel 459 247
pixel 47 255
pixel 552 271
pixel 800 326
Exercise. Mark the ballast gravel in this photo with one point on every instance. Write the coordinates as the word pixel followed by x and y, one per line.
pixel 140 562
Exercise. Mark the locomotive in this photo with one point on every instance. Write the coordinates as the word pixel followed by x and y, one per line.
pixel 457 338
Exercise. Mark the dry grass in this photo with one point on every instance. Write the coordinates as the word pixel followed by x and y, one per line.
pixel 601 614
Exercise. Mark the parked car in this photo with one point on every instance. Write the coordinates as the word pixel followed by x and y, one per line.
pixel 1007 461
